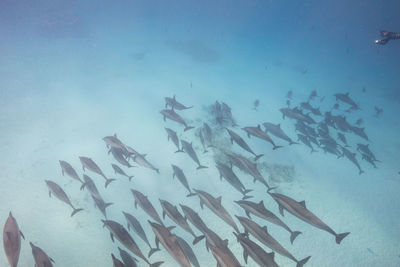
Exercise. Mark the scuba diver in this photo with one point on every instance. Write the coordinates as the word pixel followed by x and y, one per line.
pixel 387 36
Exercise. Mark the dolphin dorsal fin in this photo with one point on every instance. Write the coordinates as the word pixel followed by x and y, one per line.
pixel 303 203
pixel 347 94
pixel 219 199
pixel 272 254
pixel 174 97
pixel 226 242
pixel 279 125
pixel 259 127
pixel 265 228
pixel 170 228
pixel 261 203
pixel 115 135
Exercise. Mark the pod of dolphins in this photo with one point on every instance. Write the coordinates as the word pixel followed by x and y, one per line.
pixel 246 232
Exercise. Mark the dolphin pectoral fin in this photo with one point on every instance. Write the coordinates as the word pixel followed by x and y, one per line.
pixel 22 235
pixel 152 250
pixel 49 193
pixel 248 214
pixel 198 239
pixel 157 241
pixel 112 237
pixel 303 203
pixel 136 204
pixel 170 228
pixel 245 255
pixel 232 140
pixel 281 210
pixel 219 199
pixel 163 214
pixel 62 171
pixel 201 204
pixel 165 119
pixel 52 260
pixel 129 227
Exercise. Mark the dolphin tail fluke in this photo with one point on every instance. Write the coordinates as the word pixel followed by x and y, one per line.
pixel 258 156
pixel 188 128
pixel 75 211
pixel 180 150
pixel 201 167
pixel 293 143
pixel 293 236
pixel 152 251
pixel 302 262
pixel 340 237
pixel 156 264
pixel 276 147
pixel 197 239
pixel 108 181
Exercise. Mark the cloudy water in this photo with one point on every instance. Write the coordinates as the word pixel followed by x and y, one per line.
pixel 120 119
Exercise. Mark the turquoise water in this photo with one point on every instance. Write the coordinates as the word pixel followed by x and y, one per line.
pixel 74 72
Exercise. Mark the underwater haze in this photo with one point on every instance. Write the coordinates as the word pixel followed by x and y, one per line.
pixel 300 82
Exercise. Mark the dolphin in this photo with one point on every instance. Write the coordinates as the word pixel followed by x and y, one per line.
pixel 194 218
pixel 342 138
pixel 261 233
pixel 60 194
pixel 141 160
pixel 352 157
pixel 66 168
pixel 101 205
pixel 188 148
pixel 174 104
pixel 295 113
pixel 120 156
pixel 90 185
pixel 135 224
pixel 170 243
pixel 146 205
pixel 12 240
pixel 275 130
pixel 257 132
pixel 346 99
pixel 299 210
pixel 128 260
pixel 174 137
pixel 116 262
pixel 259 210
pixel 247 166
pixel 172 115
pixel 305 140
pixel 239 140
pixel 178 172
pixel 215 205
pixel 113 141
pixel 359 131
pixel 91 165
pixel 40 257
pixel 364 149
pixel 120 171
pixel 227 173
pixel 202 140
pixel 176 216
pixel 122 235
pixel 188 251
pixel 208 135
pixel 224 257
pixel 257 253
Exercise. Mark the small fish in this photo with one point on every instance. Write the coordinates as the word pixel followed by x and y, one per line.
pixel 256 104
